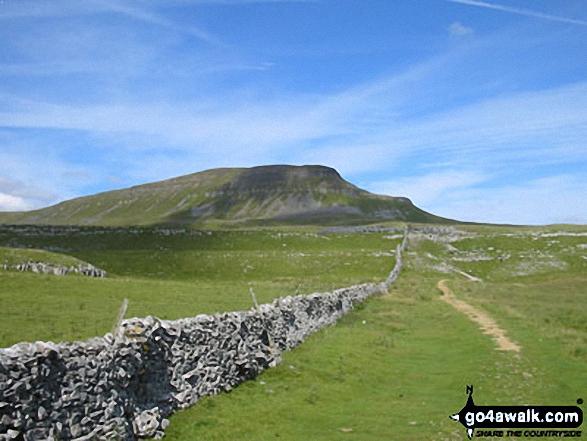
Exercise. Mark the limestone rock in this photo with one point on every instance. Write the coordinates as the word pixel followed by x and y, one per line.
pixel 123 386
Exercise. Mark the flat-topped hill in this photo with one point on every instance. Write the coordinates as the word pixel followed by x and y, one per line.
pixel 310 194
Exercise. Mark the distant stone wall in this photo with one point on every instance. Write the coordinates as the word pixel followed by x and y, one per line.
pixel 362 229
pixel 123 386
pixel 84 269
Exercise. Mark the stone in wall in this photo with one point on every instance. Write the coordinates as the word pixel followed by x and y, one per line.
pixel 124 386
pixel 60 270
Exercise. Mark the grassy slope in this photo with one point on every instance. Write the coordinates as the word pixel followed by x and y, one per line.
pixel 398 376
pixel 12 256
pixel 192 274
pixel 394 369
pixel 233 194
pixel 398 367
pixel 140 205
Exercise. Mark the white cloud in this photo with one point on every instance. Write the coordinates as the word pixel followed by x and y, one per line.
pixel 64 8
pixel 379 126
pixel 484 139
pixel 429 188
pixel 474 197
pixel 36 177
pixel 534 127
pixel 14 203
pixel 458 29
pixel 149 16
pixel 520 11
pixel 22 191
pixel 33 8
pixel 347 159
pixel 554 199
pixel 539 124
pixel 141 11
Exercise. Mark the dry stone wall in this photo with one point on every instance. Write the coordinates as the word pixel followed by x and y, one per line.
pixel 123 386
pixel 84 269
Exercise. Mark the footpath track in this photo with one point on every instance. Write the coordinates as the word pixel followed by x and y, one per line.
pixel 485 322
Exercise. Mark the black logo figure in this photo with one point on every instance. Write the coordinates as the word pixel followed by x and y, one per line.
pixel 520 417
pixel 469 408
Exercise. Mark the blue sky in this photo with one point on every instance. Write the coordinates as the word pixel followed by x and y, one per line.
pixel 476 110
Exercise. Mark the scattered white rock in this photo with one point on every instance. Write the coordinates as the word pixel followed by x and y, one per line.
pixel 123 386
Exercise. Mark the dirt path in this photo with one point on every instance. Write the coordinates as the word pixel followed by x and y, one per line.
pixel 486 323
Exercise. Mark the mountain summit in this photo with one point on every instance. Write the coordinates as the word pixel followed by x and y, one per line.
pixel 310 194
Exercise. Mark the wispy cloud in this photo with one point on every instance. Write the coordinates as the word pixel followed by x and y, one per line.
pixel 111 93
pixel 475 196
pixel 10 9
pixel 539 123
pixel 426 189
pixel 238 2
pixel 68 8
pixel 520 11
pixel 31 8
pixel 532 121
pixel 554 199
pixel 151 17
pixel 459 29
pixel 36 175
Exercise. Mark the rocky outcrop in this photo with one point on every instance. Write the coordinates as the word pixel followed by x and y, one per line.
pixel 84 269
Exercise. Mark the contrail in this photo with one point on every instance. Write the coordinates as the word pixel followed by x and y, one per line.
pixel 520 11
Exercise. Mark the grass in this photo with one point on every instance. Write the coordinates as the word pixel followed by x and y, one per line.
pixel 554 310
pixel 394 368
pixel 230 195
pixel 398 367
pixel 175 276
pixel 13 256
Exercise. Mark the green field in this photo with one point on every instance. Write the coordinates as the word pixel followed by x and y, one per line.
pixel 394 368
pixel 173 276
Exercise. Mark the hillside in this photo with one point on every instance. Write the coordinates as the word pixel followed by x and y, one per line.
pixel 266 194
